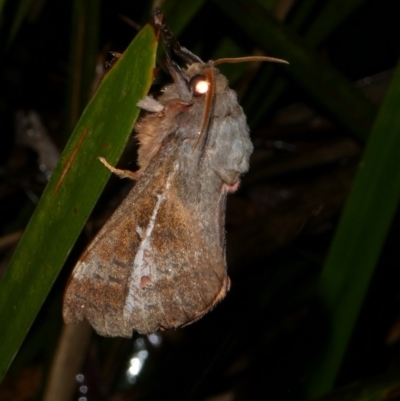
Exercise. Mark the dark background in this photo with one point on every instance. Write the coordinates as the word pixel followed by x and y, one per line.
pixel 265 339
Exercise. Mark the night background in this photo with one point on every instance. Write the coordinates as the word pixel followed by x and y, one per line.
pixel 312 233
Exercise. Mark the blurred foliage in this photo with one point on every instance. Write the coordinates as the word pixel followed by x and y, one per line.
pixel 311 307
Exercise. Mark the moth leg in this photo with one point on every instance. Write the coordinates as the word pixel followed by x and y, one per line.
pixel 120 173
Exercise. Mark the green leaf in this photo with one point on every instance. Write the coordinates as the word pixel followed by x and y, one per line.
pixel 360 236
pixel 71 194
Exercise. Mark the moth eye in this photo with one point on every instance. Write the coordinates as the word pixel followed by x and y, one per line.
pixel 199 85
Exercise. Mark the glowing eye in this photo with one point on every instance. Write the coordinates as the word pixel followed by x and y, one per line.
pixel 199 85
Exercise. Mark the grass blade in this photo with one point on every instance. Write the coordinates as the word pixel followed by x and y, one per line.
pixel 360 236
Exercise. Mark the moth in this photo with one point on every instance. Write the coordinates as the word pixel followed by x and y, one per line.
pixel 159 261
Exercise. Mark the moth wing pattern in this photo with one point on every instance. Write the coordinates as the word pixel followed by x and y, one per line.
pixel 148 279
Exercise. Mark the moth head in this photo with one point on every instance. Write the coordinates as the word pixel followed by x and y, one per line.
pixel 199 79
pixel 204 79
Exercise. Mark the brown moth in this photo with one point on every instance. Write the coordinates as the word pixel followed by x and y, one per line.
pixel 159 261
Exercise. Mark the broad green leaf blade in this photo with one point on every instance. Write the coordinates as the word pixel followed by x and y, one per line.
pixel 71 194
pixel 316 75
pixel 360 236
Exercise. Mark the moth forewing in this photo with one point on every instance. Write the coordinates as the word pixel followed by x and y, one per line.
pixel 153 265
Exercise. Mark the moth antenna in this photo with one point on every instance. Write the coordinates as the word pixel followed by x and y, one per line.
pixel 207 107
pixel 249 58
